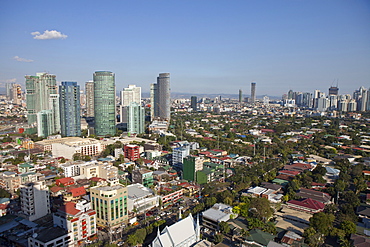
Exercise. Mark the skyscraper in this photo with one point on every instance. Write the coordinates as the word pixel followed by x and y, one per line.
pixel 240 96
pixel 40 94
pixel 193 103
pixel 162 100
pixel 70 109
pixel 253 92
pixel 135 118
pixel 38 90
pixel 89 89
pixel 104 103
pixel 129 95
pixel 333 90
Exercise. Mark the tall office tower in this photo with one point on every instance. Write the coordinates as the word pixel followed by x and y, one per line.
pixel 240 96
pixel 266 100
pixel 110 204
pixel 307 100
pixel 135 118
pixel 38 91
pixel 333 102
pixel 14 93
pixel 343 105
pixel 89 89
pixel 322 104
pixel 45 123
pixel 253 92
pixel 70 108
pixel 35 201
pixel 104 103
pixel 9 87
pixel 363 100
pixel 193 103
pixel 290 94
pixel 129 95
pixel 54 106
pixel 162 97
pixel 352 105
pixel 333 90
pixel 153 94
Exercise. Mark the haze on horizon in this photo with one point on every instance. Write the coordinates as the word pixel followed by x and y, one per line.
pixel 207 46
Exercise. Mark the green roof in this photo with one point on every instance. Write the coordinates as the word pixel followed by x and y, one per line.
pixel 25 165
pixel 260 237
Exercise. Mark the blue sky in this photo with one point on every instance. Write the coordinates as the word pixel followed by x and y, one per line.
pixel 208 46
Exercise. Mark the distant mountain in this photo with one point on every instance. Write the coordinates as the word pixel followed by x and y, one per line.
pixel 176 95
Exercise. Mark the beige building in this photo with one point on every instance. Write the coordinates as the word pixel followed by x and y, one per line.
pixel 66 147
pixel 10 181
pixel 110 205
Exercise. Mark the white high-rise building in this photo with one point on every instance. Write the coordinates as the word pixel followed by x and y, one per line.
pixel 129 95
pixel 35 202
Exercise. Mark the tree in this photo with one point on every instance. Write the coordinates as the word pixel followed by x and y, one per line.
pixel 132 240
pixel 218 238
pixel 348 227
pixel 322 222
pixel 4 193
pixel 224 227
pixel 210 201
pixel 260 208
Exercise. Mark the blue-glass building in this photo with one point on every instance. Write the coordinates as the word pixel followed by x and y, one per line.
pixel 70 108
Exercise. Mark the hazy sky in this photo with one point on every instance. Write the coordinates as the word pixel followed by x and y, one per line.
pixel 208 46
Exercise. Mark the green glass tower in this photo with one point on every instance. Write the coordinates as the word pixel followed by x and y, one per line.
pixel 38 91
pixel 104 103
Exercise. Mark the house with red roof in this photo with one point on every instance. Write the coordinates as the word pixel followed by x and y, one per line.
pixel 74 194
pixel 307 205
pixel 79 217
pixel 64 181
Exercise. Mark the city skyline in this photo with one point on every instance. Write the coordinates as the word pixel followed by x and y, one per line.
pixel 282 45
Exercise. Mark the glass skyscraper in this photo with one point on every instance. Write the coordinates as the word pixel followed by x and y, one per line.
pixel 104 103
pixel 38 90
pixel 162 97
pixel 70 108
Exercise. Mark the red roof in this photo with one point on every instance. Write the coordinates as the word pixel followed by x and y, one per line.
pixel 268 130
pixel 56 189
pixel 69 208
pixel 288 172
pixel 308 203
pixel 80 191
pixel 96 179
pixel 65 180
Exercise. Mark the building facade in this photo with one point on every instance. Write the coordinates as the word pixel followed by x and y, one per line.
pixel 70 109
pixel 104 103
pixel 78 219
pixel 38 90
pixel 161 97
pixel 110 204
pixel 253 92
pixel 35 202
pixel 135 118
pixel 89 90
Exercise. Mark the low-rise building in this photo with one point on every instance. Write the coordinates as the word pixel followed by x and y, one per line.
pixel 141 199
pixel 216 214
pixel 78 219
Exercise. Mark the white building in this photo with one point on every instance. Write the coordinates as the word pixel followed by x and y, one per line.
pixel 178 155
pixel 184 233
pixel 35 202
pixel 71 169
pixel 54 236
pixel 78 219
pixel 141 198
